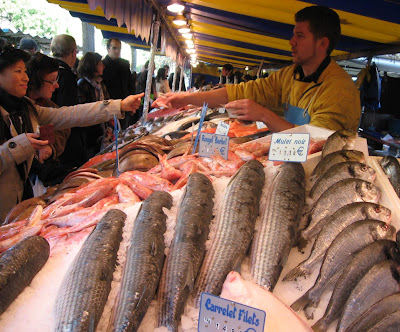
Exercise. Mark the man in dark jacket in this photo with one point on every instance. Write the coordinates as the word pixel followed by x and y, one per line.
pixel 117 75
pixel 64 51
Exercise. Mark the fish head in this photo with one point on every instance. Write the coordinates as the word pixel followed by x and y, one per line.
pixel 378 212
pixel 349 137
pixel 369 192
pixel 354 155
pixel 384 231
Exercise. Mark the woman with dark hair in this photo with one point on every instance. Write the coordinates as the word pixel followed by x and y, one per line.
pixel 43 80
pixel 162 82
pixel 20 118
pixel 91 88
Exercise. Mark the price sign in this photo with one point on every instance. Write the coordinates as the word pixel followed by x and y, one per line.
pixel 222 129
pixel 212 144
pixel 218 314
pixel 289 147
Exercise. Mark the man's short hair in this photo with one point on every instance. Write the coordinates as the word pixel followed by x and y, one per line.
pixel 228 67
pixel 324 22
pixel 110 40
pixel 27 43
pixel 62 45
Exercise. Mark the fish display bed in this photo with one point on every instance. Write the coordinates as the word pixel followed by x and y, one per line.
pixel 34 308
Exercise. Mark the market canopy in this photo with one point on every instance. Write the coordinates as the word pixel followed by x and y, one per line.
pixel 242 33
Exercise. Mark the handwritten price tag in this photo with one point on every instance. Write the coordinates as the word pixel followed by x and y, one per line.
pixel 218 314
pixel 222 129
pixel 289 147
pixel 212 144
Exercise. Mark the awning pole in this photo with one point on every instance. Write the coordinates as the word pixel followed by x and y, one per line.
pixel 176 70
pixel 156 30
pixel 181 77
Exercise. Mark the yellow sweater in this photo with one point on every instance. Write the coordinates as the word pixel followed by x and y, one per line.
pixel 336 104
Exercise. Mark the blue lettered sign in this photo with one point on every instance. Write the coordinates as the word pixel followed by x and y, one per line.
pixel 289 147
pixel 218 314
pixel 212 144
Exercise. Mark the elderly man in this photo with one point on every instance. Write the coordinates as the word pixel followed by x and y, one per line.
pixel 314 90
pixel 64 51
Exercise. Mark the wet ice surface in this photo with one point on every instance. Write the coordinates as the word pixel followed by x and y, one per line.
pixel 34 307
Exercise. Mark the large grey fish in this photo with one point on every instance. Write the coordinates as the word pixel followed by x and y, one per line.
pixel 187 250
pixel 144 261
pixel 344 139
pixel 334 224
pixel 376 313
pixel 390 323
pixel 235 223
pixel 279 223
pixel 85 287
pixel 338 195
pixel 339 254
pixel 391 167
pixel 372 254
pixel 334 158
pixel 340 171
pixel 379 282
pixel 18 266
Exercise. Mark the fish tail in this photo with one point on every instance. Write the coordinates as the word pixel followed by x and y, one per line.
pixel 301 303
pixel 320 326
pixel 298 271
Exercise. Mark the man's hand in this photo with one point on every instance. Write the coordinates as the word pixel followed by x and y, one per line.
pixel 247 109
pixel 170 99
pixel 131 103
pixel 37 144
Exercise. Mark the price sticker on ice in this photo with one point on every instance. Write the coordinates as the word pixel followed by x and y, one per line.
pixel 218 314
pixel 212 145
pixel 289 147
pixel 222 128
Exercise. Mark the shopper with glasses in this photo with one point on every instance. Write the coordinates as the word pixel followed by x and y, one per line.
pixel 20 117
pixel 43 80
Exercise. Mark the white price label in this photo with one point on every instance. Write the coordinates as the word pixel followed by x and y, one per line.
pixel 260 125
pixel 212 144
pixel 222 129
pixel 289 147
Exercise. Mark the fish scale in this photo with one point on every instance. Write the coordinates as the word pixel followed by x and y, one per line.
pixel 85 288
pixel 144 261
pixel 235 225
pixel 279 223
pixel 188 246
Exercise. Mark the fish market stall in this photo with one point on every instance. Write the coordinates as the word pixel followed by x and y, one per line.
pixel 35 306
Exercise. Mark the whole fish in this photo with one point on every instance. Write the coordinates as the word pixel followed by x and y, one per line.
pixel 334 224
pixel 391 167
pixel 84 291
pixel 144 262
pixel 372 254
pixel 338 195
pixel 339 254
pixel 279 223
pixel 334 158
pixel 187 250
pixel 390 323
pixel 340 140
pixel 18 266
pixel 340 171
pixel 235 221
pixel 379 282
pixel 376 313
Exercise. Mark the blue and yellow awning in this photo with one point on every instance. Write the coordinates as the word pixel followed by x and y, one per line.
pixel 244 33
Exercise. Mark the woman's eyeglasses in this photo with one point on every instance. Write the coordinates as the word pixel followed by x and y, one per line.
pixel 52 82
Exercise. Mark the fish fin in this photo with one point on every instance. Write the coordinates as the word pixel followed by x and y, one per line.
pixel 190 278
pixel 301 303
pixel 293 274
pixel 301 242
pixel 320 326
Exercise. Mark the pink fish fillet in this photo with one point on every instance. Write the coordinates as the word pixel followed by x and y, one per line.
pixel 125 194
pixel 187 169
pixel 168 172
pixel 35 217
pixel 25 232
pixel 279 317
pixel 151 181
pixel 142 191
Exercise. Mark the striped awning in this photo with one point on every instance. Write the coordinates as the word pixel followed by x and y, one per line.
pixel 244 33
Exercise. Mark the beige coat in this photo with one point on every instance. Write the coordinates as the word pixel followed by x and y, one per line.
pixel 18 149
